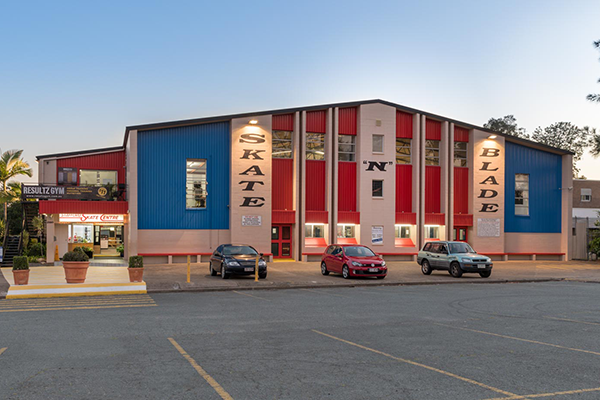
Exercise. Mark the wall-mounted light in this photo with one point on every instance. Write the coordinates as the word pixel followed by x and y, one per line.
pixel 492 137
pixel 253 122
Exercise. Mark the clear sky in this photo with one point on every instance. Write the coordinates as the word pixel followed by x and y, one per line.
pixel 73 74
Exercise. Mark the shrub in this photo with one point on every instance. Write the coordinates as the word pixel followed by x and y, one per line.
pixel 75 256
pixel 33 259
pixel 136 262
pixel 79 249
pixel 120 248
pixel 36 249
pixel 20 262
pixel 594 246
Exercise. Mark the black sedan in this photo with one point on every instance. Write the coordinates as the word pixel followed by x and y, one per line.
pixel 239 259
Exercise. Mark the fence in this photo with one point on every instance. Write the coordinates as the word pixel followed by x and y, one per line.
pixel 584 231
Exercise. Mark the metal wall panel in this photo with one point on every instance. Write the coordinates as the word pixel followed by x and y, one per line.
pixel 461 190
pixel 283 217
pixel 347 186
pixel 284 122
pixel 404 185
pixel 316 121
pixel 545 177
pixel 461 134
pixel 404 125
pixel 83 207
pixel 433 130
pixel 435 219
pixel 106 161
pixel 282 191
pixel 463 220
pixel 347 121
pixel 315 185
pixel 433 175
pixel 406 218
pixel 162 155
pixel 317 217
pixel 348 217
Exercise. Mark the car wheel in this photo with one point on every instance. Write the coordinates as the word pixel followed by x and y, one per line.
pixel 212 271
pixel 324 268
pixel 346 272
pixel 455 270
pixel 381 277
pixel 224 275
pixel 262 275
pixel 426 268
pixel 485 274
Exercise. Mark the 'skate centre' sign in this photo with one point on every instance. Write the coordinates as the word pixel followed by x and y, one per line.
pixel 89 218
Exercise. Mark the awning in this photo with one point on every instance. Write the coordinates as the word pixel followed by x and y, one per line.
pixel 83 207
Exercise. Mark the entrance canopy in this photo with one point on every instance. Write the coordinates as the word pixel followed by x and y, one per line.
pixel 82 207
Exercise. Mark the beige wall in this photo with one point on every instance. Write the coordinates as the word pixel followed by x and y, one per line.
pixel 47 172
pixel 131 227
pixel 532 242
pixel 170 241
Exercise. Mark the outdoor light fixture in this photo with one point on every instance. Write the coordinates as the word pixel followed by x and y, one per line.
pixel 253 122
pixel 492 137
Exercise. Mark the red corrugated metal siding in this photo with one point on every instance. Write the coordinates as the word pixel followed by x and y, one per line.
pixel 315 185
pixel 348 217
pixel 433 130
pixel 347 121
pixel 83 207
pixel 461 134
pixel 403 188
pixel 346 241
pixel 106 161
pixel 463 220
pixel 315 242
pixel 433 176
pixel 435 219
pixel 282 185
pixel 317 217
pixel 284 122
pixel 404 242
pixel 461 190
pixel 316 121
pixel 404 125
pixel 283 217
pixel 346 186
pixel 406 218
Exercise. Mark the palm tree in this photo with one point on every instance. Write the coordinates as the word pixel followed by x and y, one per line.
pixel 11 166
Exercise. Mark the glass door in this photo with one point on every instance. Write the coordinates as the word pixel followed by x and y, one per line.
pixel 281 241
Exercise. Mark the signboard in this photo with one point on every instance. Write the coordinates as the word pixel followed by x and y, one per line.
pixel 67 176
pixel 488 227
pixel 43 192
pixel 88 218
pixel 251 220
pixel 377 235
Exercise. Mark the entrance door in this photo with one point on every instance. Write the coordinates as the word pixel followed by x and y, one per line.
pixel 460 234
pixel 281 241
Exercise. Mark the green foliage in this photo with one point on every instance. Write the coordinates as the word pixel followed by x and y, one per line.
pixel 20 262
pixel 120 248
pixel 79 249
pixel 36 249
pixel 595 97
pixel 38 224
pixel 506 125
pixel 136 262
pixel 86 249
pixel 33 259
pixel 75 255
pixel 25 239
pixel 15 218
pixel 594 246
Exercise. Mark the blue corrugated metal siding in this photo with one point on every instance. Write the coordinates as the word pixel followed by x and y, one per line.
pixel 162 158
pixel 545 177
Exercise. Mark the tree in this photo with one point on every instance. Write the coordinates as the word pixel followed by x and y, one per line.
pixel 566 136
pixel 11 166
pixel 595 97
pixel 507 125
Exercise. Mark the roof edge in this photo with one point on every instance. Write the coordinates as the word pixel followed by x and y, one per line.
pixel 80 152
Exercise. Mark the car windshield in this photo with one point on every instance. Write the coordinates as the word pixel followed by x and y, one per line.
pixel 460 248
pixel 358 251
pixel 238 251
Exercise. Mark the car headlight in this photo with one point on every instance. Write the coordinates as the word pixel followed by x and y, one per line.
pixel 356 264
pixel 233 264
pixel 464 259
pixel 383 263
pixel 262 263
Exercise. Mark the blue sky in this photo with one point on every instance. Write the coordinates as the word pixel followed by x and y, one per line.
pixel 73 74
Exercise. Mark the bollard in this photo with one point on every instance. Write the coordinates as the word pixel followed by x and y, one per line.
pixel 256 269
pixel 56 257
pixel 188 269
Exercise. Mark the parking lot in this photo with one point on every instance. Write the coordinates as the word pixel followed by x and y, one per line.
pixel 497 341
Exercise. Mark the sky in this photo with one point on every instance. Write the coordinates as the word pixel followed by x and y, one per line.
pixel 74 74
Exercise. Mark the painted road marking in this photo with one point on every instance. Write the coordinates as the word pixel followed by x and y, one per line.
pixel 251 295
pixel 69 303
pixel 327 293
pixel 209 379
pixel 520 339
pixel 16 303
pixel 450 374
pixel 79 308
pixel 539 395
pixel 573 320
pixel 2 350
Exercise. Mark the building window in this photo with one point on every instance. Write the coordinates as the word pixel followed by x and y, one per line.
pixel 432 152
pixel 282 144
pixel 432 232
pixel 402 231
pixel 347 148
pixel 315 146
pixel 522 194
pixel 195 184
pixel 377 188
pixel 377 143
pixel 345 231
pixel 97 178
pixel 403 148
pixel 67 176
pixel 586 195
pixel 460 154
pixel 314 231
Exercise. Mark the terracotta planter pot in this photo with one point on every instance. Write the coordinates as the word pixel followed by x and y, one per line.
pixel 21 276
pixel 136 274
pixel 75 271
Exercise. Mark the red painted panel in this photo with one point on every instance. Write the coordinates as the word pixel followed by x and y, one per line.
pixel 105 161
pixel 433 130
pixel 461 190
pixel 284 122
pixel 461 134
pixel 348 217
pixel 433 175
pixel 347 186
pixel 315 185
pixel 404 187
pixel 404 125
pixel 315 242
pixel 83 207
pixel 283 217
pixel 346 241
pixel 406 218
pixel 463 220
pixel 404 242
pixel 316 121
pixel 282 194
pixel 347 121
pixel 317 217
pixel 435 219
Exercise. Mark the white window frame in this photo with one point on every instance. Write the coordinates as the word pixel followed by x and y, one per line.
pixel 372 194
pixel 429 229
pixel 282 152
pixel 351 155
pixel 196 190
pixel 309 230
pixel 460 160
pixel 378 136
pixel 586 195
pixel 522 200
pixel 343 230
pixel 313 154
pixel 433 159
pixel 399 229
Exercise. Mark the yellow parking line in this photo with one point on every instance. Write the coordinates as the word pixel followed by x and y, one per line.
pixel 77 308
pixel 251 295
pixel 520 339
pixel 2 350
pixel 209 379
pixel 450 374
pixel 327 293
pixel 573 320
pixel 539 395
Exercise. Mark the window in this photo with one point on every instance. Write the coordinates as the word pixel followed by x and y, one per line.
pixel 195 184
pixel 97 178
pixel 347 148
pixel 67 176
pixel 377 143
pixel 460 248
pixel 586 195
pixel 521 194
pixel 460 154
pixel 403 231
pixel 345 231
pixel 377 188
pixel 315 146
pixel 314 231
pixel 427 247
pixel 282 144
pixel 358 251
pixel 432 232
pixel 432 152
pixel 403 151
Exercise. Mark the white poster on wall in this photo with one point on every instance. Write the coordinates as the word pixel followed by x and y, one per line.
pixel 488 227
pixel 377 235
pixel 251 220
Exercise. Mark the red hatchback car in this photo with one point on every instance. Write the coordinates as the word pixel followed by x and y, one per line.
pixel 352 260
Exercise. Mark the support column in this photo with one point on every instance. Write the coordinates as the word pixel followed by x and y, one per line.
pixel 450 197
pixel 335 176
pixel 302 160
pixel 421 161
pixel 297 156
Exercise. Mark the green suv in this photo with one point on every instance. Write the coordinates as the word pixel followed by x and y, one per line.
pixel 454 257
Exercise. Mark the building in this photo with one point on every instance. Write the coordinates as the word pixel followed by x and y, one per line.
pixel 292 181
pixel 586 220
